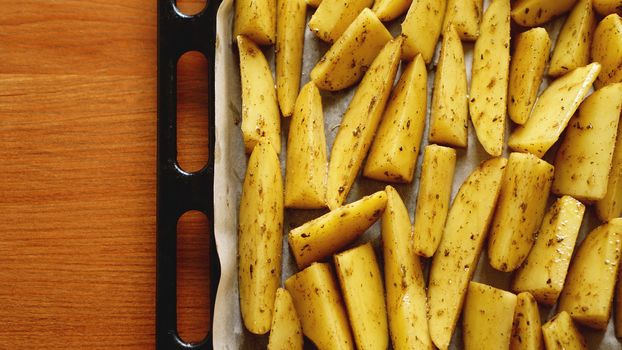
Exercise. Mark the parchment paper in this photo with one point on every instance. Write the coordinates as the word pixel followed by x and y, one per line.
pixel 230 163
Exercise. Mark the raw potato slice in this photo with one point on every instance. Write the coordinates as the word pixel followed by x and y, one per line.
pixel 553 110
pixel 560 333
pixel 361 283
pixel 332 17
pixel 305 180
pixel 437 176
pixel 404 280
pixel 347 60
pixel 260 236
pixel 610 207
pixel 388 10
pixel 488 317
pixel 573 43
pixel 320 308
pixel 588 293
pixel 291 19
pixel 489 82
pixel 526 331
pixel 458 253
pixel 334 230
pixel 531 13
pixel 522 202
pixel 260 109
pixel 285 332
pixel 607 50
pixel 422 27
pixel 393 155
pixel 531 55
pixel 450 110
pixel 359 124
pixel 584 158
pixel 256 19
pixel 607 7
pixel 544 272
pixel 465 16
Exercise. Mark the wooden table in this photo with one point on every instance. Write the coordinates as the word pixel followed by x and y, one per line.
pixel 77 186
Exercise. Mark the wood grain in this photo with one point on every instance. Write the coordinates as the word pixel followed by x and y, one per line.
pixel 77 193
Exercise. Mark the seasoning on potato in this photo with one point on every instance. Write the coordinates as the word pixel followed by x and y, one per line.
pixel 607 50
pixel 531 13
pixel 286 331
pixel 422 27
pixel 465 16
pixel 607 7
pixel 610 207
pixel 526 330
pixel 256 19
pixel 332 17
pixel 560 333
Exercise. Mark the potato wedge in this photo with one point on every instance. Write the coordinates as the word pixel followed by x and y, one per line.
pixel 458 253
pixel 290 28
pixel 465 16
pixel 320 308
pixel 488 317
pixel 361 283
pixel 388 10
pixel 347 60
pixel 359 124
pixel 575 38
pixel 403 278
pixel 260 109
pixel 437 176
pixel 286 331
pixel 607 50
pixel 583 161
pixel 607 7
pixel 526 331
pixel 531 13
pixel 610 207
pixel 422 27
pixel 594 268
pixel 618 306
pixel 560 333
pixel 544 271
pixel 531 55
pixel 489 77
pixel 553 110
pixel 305 178
pixel 260 236
pixel 450 111
pixel 393 155
pixel 334 230
pixel 332 17
pixel 256 19
pixel 520 209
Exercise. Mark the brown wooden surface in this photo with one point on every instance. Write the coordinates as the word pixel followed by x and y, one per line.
pixel 77 180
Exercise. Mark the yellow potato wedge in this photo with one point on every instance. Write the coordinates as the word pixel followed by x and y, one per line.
pixel 437 176
pixel 403 278
pixel 260 109
pixel 393 155
pixel 314 3
pixel 591 280
pixel 618 307
pixel 531 55
pixel 610 207
pixel 573 43
pixel 526 331
pixel 361 284
pixel 458 253
pixel 334 230
pixel 286 331
pixel 347 60
pixel 544 272
pixel 465 16
pixel 305 177
pixel 553 110
pixel 583 161
pixel 320 308
pixel 607 50
pixel 607 7
pixel 260 235
pixel 290 28
pixel 359 124
pixel 560 333
pixel 520 209
pixel 488 317
pixel 489 77
pixel 256 19
pixel 531 13
pixel 388 10
pixel 332 17
pixel 450 110
pixel 422 27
